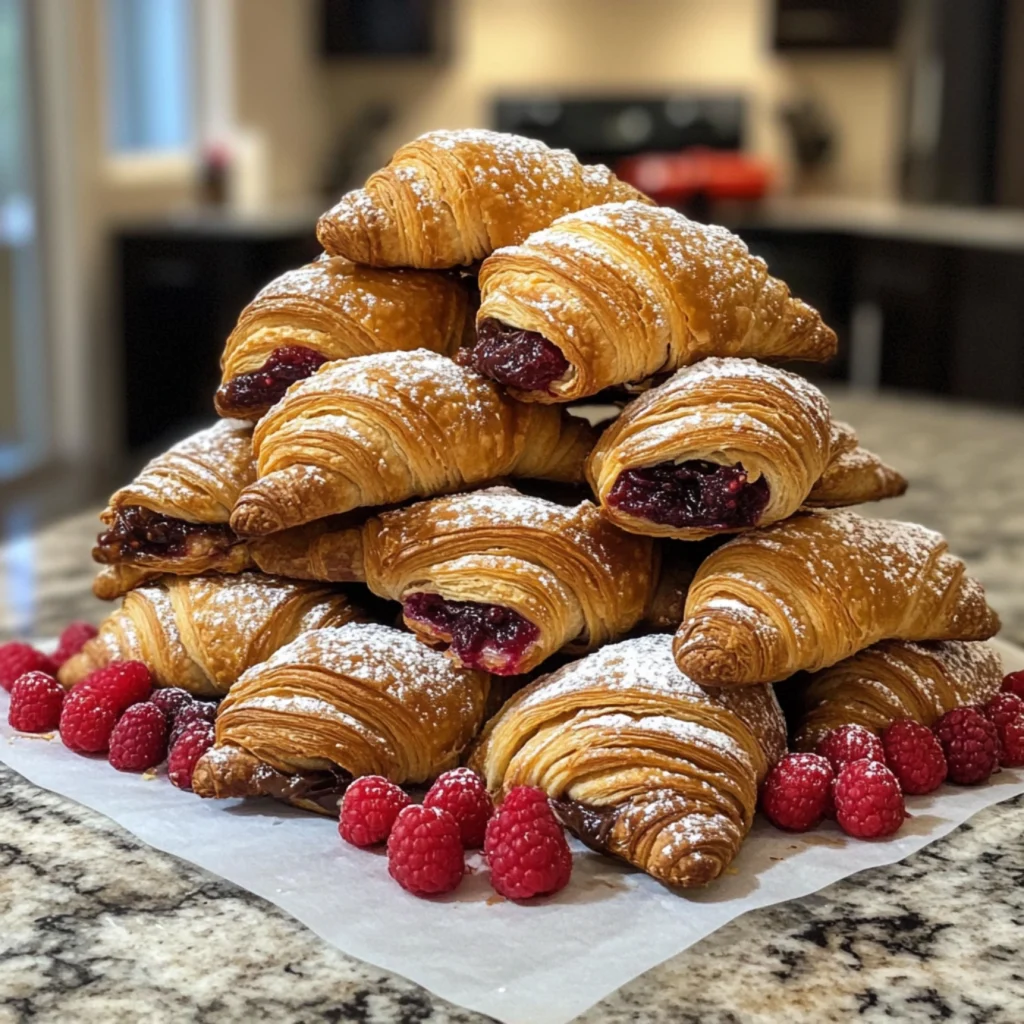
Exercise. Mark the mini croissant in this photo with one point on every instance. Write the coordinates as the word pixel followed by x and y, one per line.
pixel 891 680
pixel 202 632
pixel 809 591
pixel 450 198
pixel 377 430
pixel 173 517
pixel 336 704
pixel 726 445
pixel 618 293
pixel 329 310
pixel 640 762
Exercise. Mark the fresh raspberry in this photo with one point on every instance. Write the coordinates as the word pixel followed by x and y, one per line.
pixel 123 682
pixel 195 741
pixel 197 711
pixel 463 794
pixel 915 756
pixel 92 708
pixel 1003 708
pixel 1014 683
pixel 72 640
pixel 850 743
pixel 139 740
pixel 425 851
pixel 369 810
pixel 36 700
pixel 87 719
pixel 170 700
pixel 16 659
pixel 971 745
pixel 869 801
pixel 525 846
pixel 797 792
pixel 1011 743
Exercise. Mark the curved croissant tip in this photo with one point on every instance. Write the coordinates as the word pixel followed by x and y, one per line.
pixel 693 871
pixel 342 230
pixel 251 518
pixel 714 652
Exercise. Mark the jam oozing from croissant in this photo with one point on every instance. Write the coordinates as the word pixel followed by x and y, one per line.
pixel 475 630
pixel 267 385
pixel 693 493
pixel 141 531
pixel 520 359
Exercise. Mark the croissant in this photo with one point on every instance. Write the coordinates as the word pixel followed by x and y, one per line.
pixel 377 430
pixel 641 762
pixel 809 591
pixel 499 579
pixel 336 704
pixel 891 680
pixel 202 632
pixel 173 517
pixel 726 445
pixel 332 309
pixel 618 293
pixel 452 197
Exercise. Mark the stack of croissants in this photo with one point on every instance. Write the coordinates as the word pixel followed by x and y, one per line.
pixel 601 609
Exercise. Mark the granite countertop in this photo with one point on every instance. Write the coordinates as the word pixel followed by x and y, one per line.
pixel 98 927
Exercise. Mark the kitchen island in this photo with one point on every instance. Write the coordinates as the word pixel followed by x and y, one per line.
pixel 97 927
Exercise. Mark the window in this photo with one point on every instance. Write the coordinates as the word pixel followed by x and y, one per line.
pixel 22 367
pixel 150 75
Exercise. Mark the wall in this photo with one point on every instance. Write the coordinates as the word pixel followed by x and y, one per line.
pixel 509 46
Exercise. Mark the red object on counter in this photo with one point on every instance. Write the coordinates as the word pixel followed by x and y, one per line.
pixel 671 178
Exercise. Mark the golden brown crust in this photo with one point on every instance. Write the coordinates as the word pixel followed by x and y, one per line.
pixel 341 310
pixel 328 550
pixel 641 762
pixel 114 581
pixel 363 699
pixel 627 291
pixel 197 481
pixel 379 429
pixel 578 579
pixel 807 592
pixel 202 632
pixel 449 198
pixel 892 680
pixel 854 474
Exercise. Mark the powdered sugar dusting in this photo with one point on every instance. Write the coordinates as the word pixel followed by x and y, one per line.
pixel 387 659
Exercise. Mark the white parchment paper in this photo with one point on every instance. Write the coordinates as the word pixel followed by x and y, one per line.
pixel 537 964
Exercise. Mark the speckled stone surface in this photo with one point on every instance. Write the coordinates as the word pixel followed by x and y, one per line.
pixel 96 927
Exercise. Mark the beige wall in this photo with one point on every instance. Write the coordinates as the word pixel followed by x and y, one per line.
pixel 509 46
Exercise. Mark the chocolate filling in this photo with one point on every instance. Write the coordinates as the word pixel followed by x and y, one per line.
pixel 262 388
pixel 693 493
pixel 141 531
pixel 322 788
pixel 474 630
pixel 591 825
pixel 516 358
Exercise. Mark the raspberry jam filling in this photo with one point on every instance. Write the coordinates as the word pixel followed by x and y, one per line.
pixel 140 531
pixel 474 630
pixel 520 359
pixel 267 385
pixel 694 493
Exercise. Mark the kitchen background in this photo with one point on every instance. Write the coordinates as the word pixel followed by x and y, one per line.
pixel 161 159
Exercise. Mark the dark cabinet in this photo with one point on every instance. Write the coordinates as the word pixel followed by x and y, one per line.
pixel 181 290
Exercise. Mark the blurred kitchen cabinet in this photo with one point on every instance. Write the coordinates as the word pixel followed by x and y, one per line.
pixel 181 288
pixel 817 266
pixel 911 314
